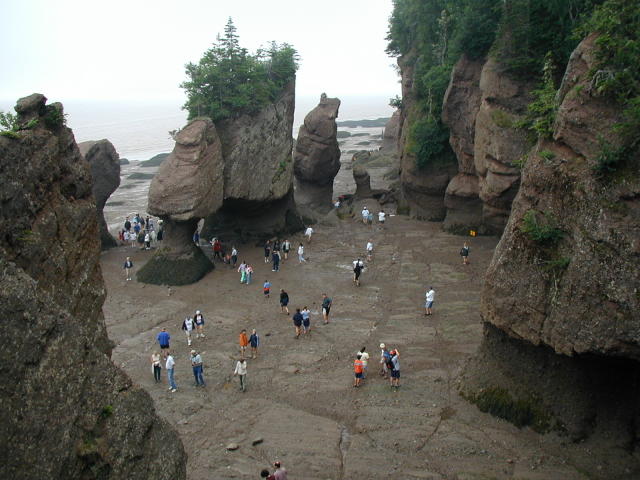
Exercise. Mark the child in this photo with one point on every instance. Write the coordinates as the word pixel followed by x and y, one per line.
pixel 244 341
pixel 266 288
pixel 254 341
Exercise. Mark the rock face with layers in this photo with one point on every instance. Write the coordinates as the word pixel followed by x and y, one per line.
pixel 391 135
pixel 317 156
pixel 189 186
pixel 105 172
pixel 565 275
pixel 363 182
pixel 68 411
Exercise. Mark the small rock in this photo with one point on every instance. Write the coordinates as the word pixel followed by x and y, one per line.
pixel 257 441
pixel 233 446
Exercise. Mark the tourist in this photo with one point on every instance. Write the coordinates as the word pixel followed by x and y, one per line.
pixel 284 301
pixel 170 365
pixel 127 224
pixel 147 240
pixel 198 318
pixel 275 257
pixel 297 322
pixel 276 246
pixel 306 321
pixel 266 288
pixel 136 228
pixel 286 246
pixel 464 253
pixel 301 254
pixel 141 239
pixel 128 266
pixel 395 368
pixel 384 357
pixel 133 238
pixel 267 251
pixel 358 368
pixel 326 307
pixel 365 361
pixel 163 340
pixel 249 271
pixel 188 327
pixel 243 272
pixel 241 371
pixel 254 342
pixel 265 474
pixel 370 219
pixel 428 306
pixel 196 238
pixel 234 256
pixel 365 215
pixel 369 250
pixel 156 366
pixel 307 233
pixel 358 265
pixel 217 249
pixel 381 216
pixel 196 365
pixel 243 341
pixel 280 473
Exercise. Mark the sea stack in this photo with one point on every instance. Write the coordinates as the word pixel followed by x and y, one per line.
pixel 316 159
pixel 68 413
pixel 189 186
pixel 105 174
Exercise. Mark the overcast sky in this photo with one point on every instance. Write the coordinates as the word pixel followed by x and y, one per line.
pixel 135 49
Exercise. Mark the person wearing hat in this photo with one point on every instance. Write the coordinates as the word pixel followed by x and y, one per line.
pixel 196 364
pixel 199 320
pixel 384 357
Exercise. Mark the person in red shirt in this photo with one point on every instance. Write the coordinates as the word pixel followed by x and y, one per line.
pixel 358 368
pixel 244 341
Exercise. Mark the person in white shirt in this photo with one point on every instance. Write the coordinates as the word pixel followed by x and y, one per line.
pixel 369 250
pixel 301 254
pixel 381 216
pixel 241 371
pixel 308 232
pixel 188 326
pixel 364 356
pixel 170 366
pixel 365 215
pixel 430 295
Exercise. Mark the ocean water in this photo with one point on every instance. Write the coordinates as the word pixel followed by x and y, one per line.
pixel 140 130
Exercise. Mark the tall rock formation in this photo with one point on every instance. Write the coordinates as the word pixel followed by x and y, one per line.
pixel 258 173
pixel 317 156
pixel 561 299
pixel 67 411
pixel 105 173
pixel 391 135
pixel 189 186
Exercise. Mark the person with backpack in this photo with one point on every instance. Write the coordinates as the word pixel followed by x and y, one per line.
pixel 464 253
pixel 128 266
pixel 358 368
pixel 254 342
pixel 188 326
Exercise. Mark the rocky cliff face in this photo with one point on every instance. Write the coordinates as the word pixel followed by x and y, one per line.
pixel 105 173
pixel 391 135
pixel 564 280
pixel 67 412
pixel 317 156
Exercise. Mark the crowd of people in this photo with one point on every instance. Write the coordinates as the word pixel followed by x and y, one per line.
pixel 140 232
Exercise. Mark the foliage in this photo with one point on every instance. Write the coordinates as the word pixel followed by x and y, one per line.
pixel 107 411
pixel 396 102
pixel 8 121
pixel 229 81
pixel 541 230
pixel 54 116
pixel 428 141
pixel 541 112
pixel 547 155
pixel 609 158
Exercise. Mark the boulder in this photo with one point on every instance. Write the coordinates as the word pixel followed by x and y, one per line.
pixel 105 173
pixel 63 401
pixel 317 156
pixel 189 186
pixel 391 135
pixel 363 182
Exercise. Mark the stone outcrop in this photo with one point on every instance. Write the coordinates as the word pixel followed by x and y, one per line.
pixel 189 186
pixel 258 173
pixel 363 182
pixel 317 156
pixel 391 135
pixel 67 411
pixel 105 173
pixel 460 108
pixel 572 289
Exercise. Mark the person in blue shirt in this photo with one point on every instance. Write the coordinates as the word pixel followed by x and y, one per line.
pixel 266 288
pixel 163 339
pixel 254 342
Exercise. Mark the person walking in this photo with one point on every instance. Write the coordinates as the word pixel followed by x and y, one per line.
pixel 265 474
pixel 170 365
pixel 254 342
pixel 267 251
pixel 307 233
pixel 127 224
pixel 243 341
pixel 188 326
pixel 381 217
pixel 156 366
pixel 280 472
pixel 234 256
pixel 266 288
pixel 297 322
pixel 147 240
pixel 369 250
pixel 428 305
pixel 464 253
pixel 286 246
pixel 384 359
pixel 326 307
pixel 275 260
pixel 365 215
pixel 249 272
pixel 128 266
pixel 284 301
pixel 163 340
pixel 358 265
pixel 196 365
pixel 358 369
pixel 365 361
pixel 199 320
pixel 301 254
pixel 241 371
pixel 395 368
pixel 306 321
pixel 242 269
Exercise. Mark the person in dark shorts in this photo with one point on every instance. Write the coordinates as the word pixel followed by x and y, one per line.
pixel 284 301
pixel 297 322
pixel 358 369
pixel 306 321
pixel 163 340
pixel 267 251
pixel 357 271
pixel 464 253
pixel 395 369
pixel 326 307
pixel 266 288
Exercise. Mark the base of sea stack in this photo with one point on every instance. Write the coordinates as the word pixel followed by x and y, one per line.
pixel 589 399
pixel 165 268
